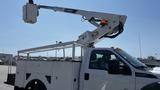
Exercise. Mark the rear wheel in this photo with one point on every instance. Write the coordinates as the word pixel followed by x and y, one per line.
pixel 35 85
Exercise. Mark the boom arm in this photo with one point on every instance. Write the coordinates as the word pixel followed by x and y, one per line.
pixel 107 25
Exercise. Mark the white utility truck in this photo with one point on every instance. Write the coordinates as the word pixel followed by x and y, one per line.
pixel 95 68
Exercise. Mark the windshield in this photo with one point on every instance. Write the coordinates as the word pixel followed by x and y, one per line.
pixel 132 60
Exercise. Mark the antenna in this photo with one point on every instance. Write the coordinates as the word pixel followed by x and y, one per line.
pixel 140 47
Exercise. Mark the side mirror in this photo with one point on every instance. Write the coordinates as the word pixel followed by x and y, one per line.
pixel 113 67
pixel 30 13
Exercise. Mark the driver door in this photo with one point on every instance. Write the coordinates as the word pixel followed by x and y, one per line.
pixel 96 76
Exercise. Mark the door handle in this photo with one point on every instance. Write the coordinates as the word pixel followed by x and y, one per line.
pixel 86 76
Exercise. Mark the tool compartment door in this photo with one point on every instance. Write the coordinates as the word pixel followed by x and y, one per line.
pixel 20 74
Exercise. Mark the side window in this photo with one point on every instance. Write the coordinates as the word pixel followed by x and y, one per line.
pixel 96 59
pixel 114 57
pixel 99 60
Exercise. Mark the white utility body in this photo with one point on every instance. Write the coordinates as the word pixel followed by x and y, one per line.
pixel 94 69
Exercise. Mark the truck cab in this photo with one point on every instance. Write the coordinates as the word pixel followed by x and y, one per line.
pixel 114 69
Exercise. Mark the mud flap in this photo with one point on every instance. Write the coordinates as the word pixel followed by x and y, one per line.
pixel 10 79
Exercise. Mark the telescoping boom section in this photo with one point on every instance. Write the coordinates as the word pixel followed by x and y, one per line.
pixel 107 25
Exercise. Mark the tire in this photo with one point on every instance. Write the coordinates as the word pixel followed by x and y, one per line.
pixel 35 85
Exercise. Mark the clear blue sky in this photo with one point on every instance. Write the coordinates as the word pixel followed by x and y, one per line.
pixel 143 19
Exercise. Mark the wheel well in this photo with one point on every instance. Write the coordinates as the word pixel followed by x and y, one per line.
pixel 35 82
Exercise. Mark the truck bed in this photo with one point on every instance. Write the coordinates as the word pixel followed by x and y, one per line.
pixel 63 75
